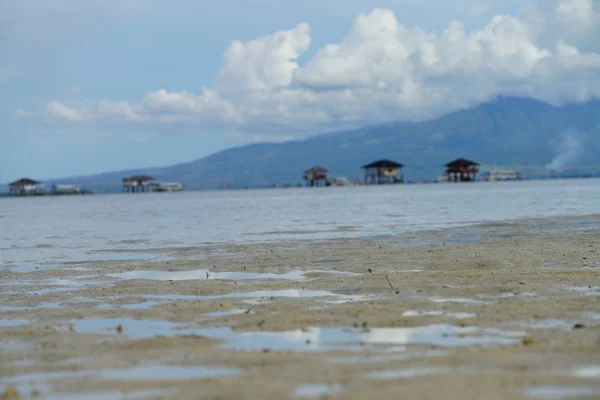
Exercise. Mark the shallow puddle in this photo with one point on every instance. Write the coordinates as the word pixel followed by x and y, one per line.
pixel 11 323
pixel 203 274
pixel 167 372
pixel 586 290
pixel 456 300
pixel 317 390
pixel 267 295
pixel 592 315
pixel 26 268
pixel 457 315
pixel 566 266
pixel 407 372
pixel 592 371
pixel 352 339
pixel 42 382
pixel 11 345
pixel 403 355
pixel 561 392
pixel 133 306
pixel 133 328
pixel 546 324
pixel 233 311
pixel 25 308
pixel 52 285
pixel 111 395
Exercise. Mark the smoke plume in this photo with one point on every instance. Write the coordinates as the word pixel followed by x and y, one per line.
pixel 569 149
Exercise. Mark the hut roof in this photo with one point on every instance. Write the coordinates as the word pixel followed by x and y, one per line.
pixel 461 163
pixel 23 181
pixel 383 164
pixel 317 169
pixel 138 178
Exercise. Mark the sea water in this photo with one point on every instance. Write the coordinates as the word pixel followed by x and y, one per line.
pixel 45 230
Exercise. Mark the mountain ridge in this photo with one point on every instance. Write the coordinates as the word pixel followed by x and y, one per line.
pixel 511 132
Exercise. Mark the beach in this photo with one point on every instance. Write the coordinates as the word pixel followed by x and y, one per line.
pixel 497 310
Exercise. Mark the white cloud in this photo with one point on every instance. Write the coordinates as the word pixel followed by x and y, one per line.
pixel 263 64
pixel 382 70
pixel 58 110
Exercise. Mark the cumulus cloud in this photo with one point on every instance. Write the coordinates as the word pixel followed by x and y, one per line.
pixel 58 110
pixel 263 64
pixel 381 71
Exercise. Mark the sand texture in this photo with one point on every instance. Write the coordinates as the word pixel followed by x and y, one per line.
pixel 494 311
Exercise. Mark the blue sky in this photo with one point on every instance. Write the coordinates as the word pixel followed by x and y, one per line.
pixel 94 86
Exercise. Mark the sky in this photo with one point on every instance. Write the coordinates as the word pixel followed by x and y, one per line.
pixel 99 85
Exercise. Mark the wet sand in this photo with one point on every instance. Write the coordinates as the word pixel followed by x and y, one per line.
pixel 494 311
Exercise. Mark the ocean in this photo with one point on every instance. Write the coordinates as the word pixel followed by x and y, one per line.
pixel 53 230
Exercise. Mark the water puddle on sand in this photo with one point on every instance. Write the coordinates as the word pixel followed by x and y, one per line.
pixel 167 372
pixel 233 311
pixel 22 363
pixel 566 266
pixel 52 285
pixel 561 392
pixel 25 308
pixel 586 290
pixel 592 371
pixel 70 303
pixel 457 315
pixel 322 339
pixel 11 345
pixel 317 390
pixel 592 315
pixel 140 372
pixel 541 324
pixel 406 270
pixel 268 295
pixel 132 328
pixel 42 382
pixel 507 295
pixel 133 306
pixel 112 395
pixel 203 274
pixel 11 323
pixel 404 356
pixel 26 268
pixel 455 300
pixel 406 373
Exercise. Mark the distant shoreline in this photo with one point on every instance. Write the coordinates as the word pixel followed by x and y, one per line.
pixel 5 193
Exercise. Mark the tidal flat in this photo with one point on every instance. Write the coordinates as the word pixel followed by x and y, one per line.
pixel 495 311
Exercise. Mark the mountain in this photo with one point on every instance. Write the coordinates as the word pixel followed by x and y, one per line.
pixel 511 132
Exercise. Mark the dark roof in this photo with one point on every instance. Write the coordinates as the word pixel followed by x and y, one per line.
pixel 317 169
pixel 461 163
pixel 23 181
pixel 383 164
pixel 137 178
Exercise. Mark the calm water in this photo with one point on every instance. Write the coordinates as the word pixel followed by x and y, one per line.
pixel 56 229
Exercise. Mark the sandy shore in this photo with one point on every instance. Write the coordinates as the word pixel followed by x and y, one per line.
pixel 494 311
